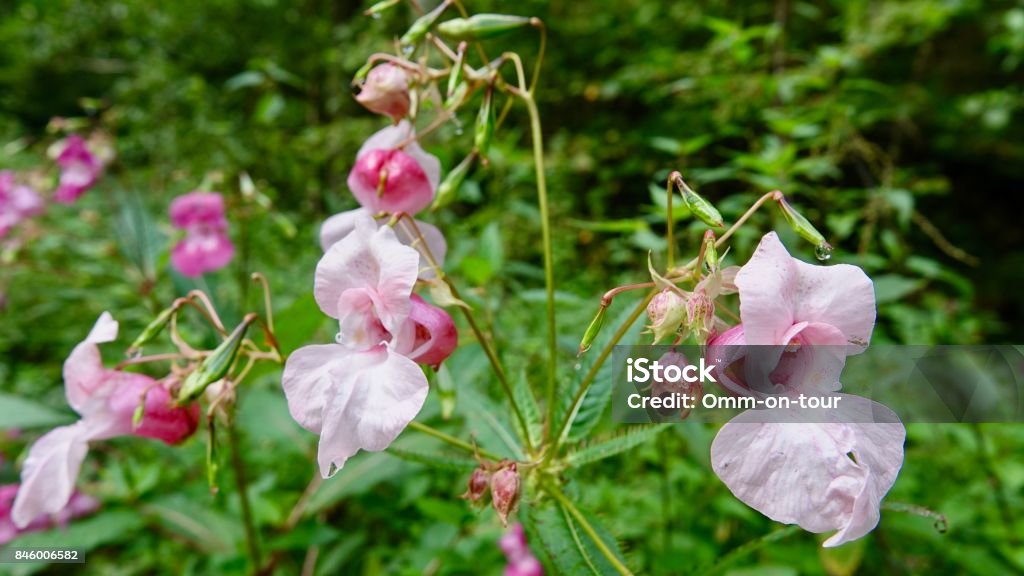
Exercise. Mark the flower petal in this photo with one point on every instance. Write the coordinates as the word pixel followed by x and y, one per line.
pixel 373 399
pixel 803 473
pixel 308 378
pixel 84 373
pixel 340 225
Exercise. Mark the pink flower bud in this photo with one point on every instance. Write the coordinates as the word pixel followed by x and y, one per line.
pixel 476 488
pixel 161 419
pixel 700 314
pixel 386 91
pixel 667 311
pixel 435 334
pixel 663 388
pixel 79 169
pixel 390 181
pixel 505 490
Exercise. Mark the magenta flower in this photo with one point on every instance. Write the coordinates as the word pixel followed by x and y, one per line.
pixel 386 91
pixel 106 400
pixel 79 169
pixel 17 202
pixel 821 470
pixel 79 505
pixel 340 225
pixel 206 246
pixel 521 561
pixel 434 333
pixel 388 179
pixel 362 391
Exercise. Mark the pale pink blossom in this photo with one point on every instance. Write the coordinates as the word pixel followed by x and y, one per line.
pixel 79 505
pixel 106 400
pixel 362 391
pixel 520 560
pixel 79 169
pixel 386 91
pixel 338 226
pixel 206 246
pixel 17 202
pixel 388 179
pixel 823 470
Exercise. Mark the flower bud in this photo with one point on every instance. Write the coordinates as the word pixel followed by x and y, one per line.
pixel 485 125
pixel 667 310
pixel 476 488
pixel 449 187
pixel 456 75
pixel 153 329
pixel 505 491
pixel 435 334
pixel 386 91
pixel 704 211
pixel 592 330
pixel 457 96
pixel 700 314
pixel 380 7
pixel 480 26
pixel 710 251
pixel 420 27
pixel 661 388
pixel 216 365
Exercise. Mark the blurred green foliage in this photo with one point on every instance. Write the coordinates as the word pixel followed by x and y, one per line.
pixel 895 126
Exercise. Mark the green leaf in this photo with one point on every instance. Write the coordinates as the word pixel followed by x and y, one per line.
pixel 16 412
pixel 489 429
pixel 567 547
pixel 528 405
pixel 203 525
pixel 616 444
pixel 892 287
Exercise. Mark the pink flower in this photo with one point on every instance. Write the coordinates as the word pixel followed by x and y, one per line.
pixel 106 400
pixel 206 246
pixel 362 391
pixel 386 91
pixel 388 179
pixel 435 335
pixel 17 202
pixel 79 505
pixel 521 561
pixel 340 225
pixel 822 470
pixel 79 169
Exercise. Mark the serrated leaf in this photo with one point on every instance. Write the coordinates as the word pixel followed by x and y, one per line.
pixel 488 428
pixel 616 444
pixel 528 405
pixel 567 547
pixel 17 412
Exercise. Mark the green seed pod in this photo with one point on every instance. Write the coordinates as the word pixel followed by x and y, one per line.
pixel 485 121
pixel 380 7
pixel 449 187
pixel 153 329
pixel 799 224
pixel 710 252
pixel 705 211
pixel 456 75
pixel 420 27
pixel 481 26
pixel 215 366
pixel 457 97
pixel 592 331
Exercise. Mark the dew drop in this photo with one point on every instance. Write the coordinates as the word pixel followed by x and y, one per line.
pixel 408 49
pixel 823 252
pixel 134 353
pixel 375 15
pixel 458 125
pixel 578 366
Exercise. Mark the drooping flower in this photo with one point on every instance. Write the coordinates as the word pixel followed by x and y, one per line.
pixel 206 246
pixel 17 202
pixel 388 179
pixel 340 225
pixel 362 391
pixel 521 561
pixel 106 400
pixel 822 470
pixel 505 490
pixel 79 505
pixel 79 169
pixel 386 91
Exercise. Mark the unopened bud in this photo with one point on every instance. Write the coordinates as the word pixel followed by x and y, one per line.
pixel 380 7
pixel 661 387
pixel 803 227
pixel 710 251
pixel 704 211
pixel 476 488
pixel 481 26
pixel 216 365
pixel 505 491
pixel 386 91
pixel 420 27
pixel 449 187
pixel 153 329
pixel 592 330
pixel 667 310
pixel 456 98
pixel 456 74
pixel 485 124
pixel 700 314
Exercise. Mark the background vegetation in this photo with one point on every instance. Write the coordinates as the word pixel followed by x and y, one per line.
pixel 895 125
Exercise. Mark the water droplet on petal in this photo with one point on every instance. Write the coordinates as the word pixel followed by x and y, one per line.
pixel 823 251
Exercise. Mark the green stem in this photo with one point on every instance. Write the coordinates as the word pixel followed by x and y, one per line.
pixel 452 440
pixel 549 271
pixel 582 520
pixel 242 485
pixel 670 224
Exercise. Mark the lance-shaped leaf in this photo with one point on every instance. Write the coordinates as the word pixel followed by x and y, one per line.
pixel 608 447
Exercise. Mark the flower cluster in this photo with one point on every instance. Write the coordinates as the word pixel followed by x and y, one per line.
pixel 362 391
pixel 80 168
pixel 110 403
pixel 18 202
pixel 822 476
pixel 205 246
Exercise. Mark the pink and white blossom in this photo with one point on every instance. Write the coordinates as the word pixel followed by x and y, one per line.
pixel 340 225
pixel 386 91
pixel 520 560
pixel 79 505
pixel 18 202
pixel 80 168
pixel 106 400
pixel 206 246
pixel 388 179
